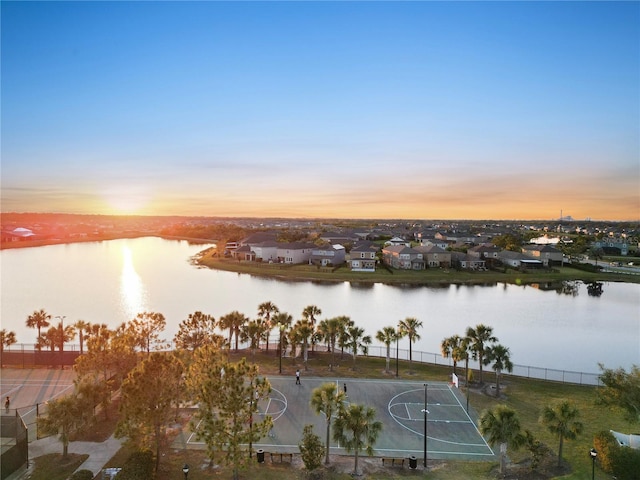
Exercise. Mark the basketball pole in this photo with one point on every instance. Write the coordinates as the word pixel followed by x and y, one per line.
pixel 425 426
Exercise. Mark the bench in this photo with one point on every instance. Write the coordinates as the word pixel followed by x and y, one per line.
pixel 393 461
pixel 282 456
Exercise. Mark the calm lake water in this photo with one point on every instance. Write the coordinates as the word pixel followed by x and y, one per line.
pixel 110 282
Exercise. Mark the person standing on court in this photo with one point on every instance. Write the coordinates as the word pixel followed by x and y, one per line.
pixel 7 404
pixel 298 377
pixel 345 388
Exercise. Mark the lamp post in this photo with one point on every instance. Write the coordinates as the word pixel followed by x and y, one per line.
pixel 593 453
pixel 185 470
pixel 280 349
pixel 425 411
pixel 397 341
pixel 61 318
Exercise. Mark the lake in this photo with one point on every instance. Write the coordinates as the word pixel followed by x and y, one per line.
pixel 111 281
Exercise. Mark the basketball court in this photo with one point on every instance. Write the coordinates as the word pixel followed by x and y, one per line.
pixel 399 405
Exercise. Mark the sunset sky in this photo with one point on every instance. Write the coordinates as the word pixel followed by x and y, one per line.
pixel 421 110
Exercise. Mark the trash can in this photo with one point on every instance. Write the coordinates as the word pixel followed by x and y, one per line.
pixel 413 462
pixel 260 455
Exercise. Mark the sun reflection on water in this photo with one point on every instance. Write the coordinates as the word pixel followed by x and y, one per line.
pixel 131 286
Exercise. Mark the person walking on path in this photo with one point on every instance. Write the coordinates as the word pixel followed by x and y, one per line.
pixel 298 377
pixel 7 404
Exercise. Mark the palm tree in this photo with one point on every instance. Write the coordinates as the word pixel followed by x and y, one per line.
pixel 310 313
pixel 327 399
pixel 561 420
pixel 6 339
pixel 356 429
pixel 357 341
pixel 283 321
pixel 38 319
pixel 479 338
pixel 82 328
pixel 499 355
pixel 450 348
pixel 387 335
pixel 329 330
pixel 252 332
pixel 234 322
pixel 343 334
pixel 302 332
pixel 266 311
pixel 409 327
pixel 502 427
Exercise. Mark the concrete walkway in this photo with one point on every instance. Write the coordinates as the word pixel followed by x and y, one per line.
pixel 99 454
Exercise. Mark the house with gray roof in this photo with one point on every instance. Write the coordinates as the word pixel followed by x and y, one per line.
pixel 362 257
pixel 327 255
pixel 294 252
pixel 435 257
pixel 547 254
pixel 402 257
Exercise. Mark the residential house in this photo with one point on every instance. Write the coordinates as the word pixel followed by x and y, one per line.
pixel 486 251
pixel 402 257
pixel 243 253
pixel 467 262
pixel 547 254
pixel 518 260
pixel 398 241
pixel 295 252
pixel 436 242
pixel 435 256
pixel 266 251
pixel 613 245
pixel 362 257
pixel 327 255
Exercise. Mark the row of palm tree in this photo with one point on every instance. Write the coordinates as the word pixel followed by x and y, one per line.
pixel 56 336
pixel 480 344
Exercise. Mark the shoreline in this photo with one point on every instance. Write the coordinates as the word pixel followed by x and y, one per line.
pixel 434 278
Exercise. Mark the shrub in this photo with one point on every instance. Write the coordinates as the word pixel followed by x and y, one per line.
pixel 605 443
pixel 82 475
pixel 139 466
pixel 311 449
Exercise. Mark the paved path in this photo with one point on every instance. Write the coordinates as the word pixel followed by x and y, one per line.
pixel 99 454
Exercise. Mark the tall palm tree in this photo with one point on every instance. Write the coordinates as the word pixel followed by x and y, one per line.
pixel 252 332
pixel 38 319
pixel 450 348
pixel 327 399
pixel 283 321
pixel 311 313
pixel 343 334
pixel 302 333
pixel 409 327
pixel 82 328
pixel 329 330
pixel 499 356
pixel 233 322
pixel 356 429
pixel 266 311
pixel 6 339
pixel 502 427
pixel 387 335
pixel 561 419
pixel 479 338
pixel 357 341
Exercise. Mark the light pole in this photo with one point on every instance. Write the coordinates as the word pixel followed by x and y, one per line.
pixel 61 318
pixel 593 453
pixel 397 341
pixel 185 470
pixel 425 411
pixel 280 349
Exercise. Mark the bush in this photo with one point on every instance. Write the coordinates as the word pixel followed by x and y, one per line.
pixel 82 475
pixel 139 466
pixel 626 463
pixel 622 462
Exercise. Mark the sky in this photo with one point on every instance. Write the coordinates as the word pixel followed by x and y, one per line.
pixel 331 109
